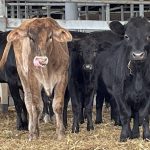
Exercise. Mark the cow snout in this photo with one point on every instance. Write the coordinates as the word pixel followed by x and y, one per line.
pixel 138 55
pixel 88 67
pixel 40 61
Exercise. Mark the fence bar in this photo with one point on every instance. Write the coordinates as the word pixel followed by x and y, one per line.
pixel 131 10
pixel 122 13
pixel 141 9
pixel 71 11
pixel 2 16
pixel 103 13
pixel 108 12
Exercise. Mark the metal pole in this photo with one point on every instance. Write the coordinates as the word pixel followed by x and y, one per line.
pixel 2 16
pixel 12 12
pixel 122 13
pixel 131 10
pixel 71 11
pixel 103 13
pixel 108 12
pixel 48 11
pixel 86 13
pixel 141 9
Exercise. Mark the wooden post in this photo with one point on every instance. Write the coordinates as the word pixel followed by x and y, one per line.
pixel 4 97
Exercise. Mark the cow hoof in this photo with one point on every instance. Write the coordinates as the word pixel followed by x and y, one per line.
pixel 117 123
pixel 90 128
pixel 33 137
pixel 82 121
pixel 98 121
pixel 53 119
pixel 23 128
pixel 60 137
pixel 75 130
pixel 123 139
pixel 46 118
pixel 146 137
pixel 135 135
pixel 66 126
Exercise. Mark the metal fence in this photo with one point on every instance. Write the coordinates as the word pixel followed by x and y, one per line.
pixel 72 14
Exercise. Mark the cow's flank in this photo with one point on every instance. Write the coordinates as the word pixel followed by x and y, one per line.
pixel 42 61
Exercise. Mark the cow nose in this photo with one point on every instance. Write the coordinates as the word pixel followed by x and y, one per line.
pixel 87 66
pixel 138 55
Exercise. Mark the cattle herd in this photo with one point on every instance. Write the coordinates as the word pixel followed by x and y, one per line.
pixel 52 65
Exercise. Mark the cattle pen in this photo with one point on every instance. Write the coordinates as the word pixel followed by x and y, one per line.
pixel 74 15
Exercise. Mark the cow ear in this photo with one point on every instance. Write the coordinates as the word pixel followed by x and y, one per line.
pixel 104 46
pixel 62 35
pixel 117 28
pixel 16 35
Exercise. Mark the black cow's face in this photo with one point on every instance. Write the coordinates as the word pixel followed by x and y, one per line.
pixel 87 50
pixel 137 38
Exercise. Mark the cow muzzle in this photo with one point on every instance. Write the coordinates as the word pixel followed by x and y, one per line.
pixel 88 67
pixel 138 55
pixel 40 61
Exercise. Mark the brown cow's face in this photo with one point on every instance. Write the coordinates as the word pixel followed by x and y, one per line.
pixel 41 33
pixel 41 44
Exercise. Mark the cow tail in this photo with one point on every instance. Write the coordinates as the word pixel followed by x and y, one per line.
pixel 5 54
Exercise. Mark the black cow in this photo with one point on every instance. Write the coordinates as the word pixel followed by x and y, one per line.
pixel 106 39
pixel 76 37
pixel 83 53
pixel 125 70
pixel 9 75
pixel 81 82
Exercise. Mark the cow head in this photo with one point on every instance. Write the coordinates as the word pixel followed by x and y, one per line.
pixel 40 33
pixel 86 49
pixel 136 36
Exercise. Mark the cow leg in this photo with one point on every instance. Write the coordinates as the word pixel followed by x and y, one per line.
pixel 75 94
pixel 146 131
pixel 135 131
pixel 58 104
pixel 82 114
pixel 22 121
pixel 66 101
pixel 47 110
pixel 34 106
pixel 144 119
pixel 89 97
pixel 114 111
pixel 99 106
pixel 125 116
pixel 76 108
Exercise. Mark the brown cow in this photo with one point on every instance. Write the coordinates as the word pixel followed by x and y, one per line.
pixel 41 52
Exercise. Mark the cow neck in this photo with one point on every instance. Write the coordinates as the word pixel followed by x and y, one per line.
pixel 135 66
pixel 59 52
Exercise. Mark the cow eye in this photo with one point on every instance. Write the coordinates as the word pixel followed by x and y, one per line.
pixel 31 39
pixel 126 37
pixel 50 36
pixel 148 37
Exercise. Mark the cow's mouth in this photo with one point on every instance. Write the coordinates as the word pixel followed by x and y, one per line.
pixel 40 61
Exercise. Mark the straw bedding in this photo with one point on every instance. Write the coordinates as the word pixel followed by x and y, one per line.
pixel 104 137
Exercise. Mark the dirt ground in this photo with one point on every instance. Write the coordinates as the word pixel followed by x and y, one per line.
pixel 104 137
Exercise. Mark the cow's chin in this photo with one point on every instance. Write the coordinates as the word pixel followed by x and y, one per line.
pixel 40 61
